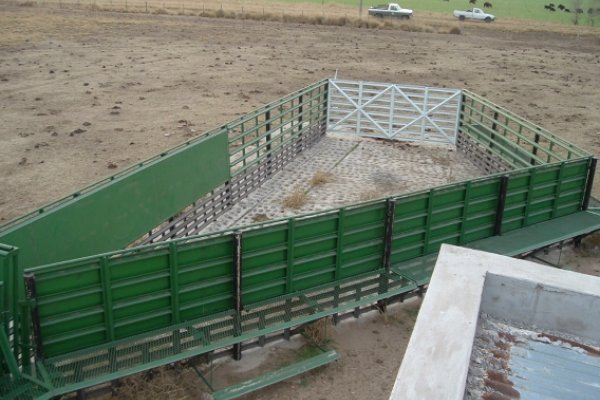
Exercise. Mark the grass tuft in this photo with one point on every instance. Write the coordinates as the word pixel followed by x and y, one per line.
pixel 320 178
pixel 318 332
pixel 296 199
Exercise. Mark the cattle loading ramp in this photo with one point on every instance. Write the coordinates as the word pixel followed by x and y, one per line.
pixel 114 279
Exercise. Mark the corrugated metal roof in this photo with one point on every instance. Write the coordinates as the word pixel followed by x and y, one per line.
pixel 554 370
pixel 514 363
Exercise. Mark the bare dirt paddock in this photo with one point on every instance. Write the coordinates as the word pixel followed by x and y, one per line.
pixel 84 94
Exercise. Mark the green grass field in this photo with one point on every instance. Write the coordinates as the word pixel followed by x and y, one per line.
pixel 523 9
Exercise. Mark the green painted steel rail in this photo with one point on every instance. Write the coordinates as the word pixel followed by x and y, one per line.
pixel 240 389
pixel 93 319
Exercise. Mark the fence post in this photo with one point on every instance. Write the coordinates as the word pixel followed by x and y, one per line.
pixel 389 234
pixel 387 250
pixel 589 184
pixel 325 111
pixel 237 293
pixel 31 295
pixel 536 139
pixel 268 138
pixel 300 102
pixel 492 133
pixel 501 205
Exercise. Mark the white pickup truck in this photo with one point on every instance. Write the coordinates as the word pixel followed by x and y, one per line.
pixel 390 10
pixel 476 14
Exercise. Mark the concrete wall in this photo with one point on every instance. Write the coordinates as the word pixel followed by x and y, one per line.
pixel 545 307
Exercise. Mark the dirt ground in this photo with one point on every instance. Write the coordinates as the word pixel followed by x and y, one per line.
pixel 84 94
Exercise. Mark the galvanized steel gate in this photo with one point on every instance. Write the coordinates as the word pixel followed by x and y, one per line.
pixel 391 111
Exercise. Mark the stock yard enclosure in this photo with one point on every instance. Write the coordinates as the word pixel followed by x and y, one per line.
pixel 86 300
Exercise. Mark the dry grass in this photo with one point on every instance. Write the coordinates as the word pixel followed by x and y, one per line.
pixel 319 14
pixel 160 383
pixel 160 11
pixel 330 15
pixel 325 14
pixel 320 178
pixel 318 332
pixel 296 199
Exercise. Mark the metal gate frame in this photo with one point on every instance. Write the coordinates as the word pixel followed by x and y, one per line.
pixel 393 111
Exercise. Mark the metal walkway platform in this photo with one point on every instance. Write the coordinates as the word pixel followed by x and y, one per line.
pixel 540 235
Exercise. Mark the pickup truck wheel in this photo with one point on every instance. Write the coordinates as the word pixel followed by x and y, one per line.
pixel 378 15
pixel 461 18
pixel 404 17
pixel 488 19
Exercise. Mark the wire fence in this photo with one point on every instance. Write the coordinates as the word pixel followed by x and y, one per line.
pixel 237 9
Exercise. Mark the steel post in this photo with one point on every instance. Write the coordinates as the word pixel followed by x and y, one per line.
pixel 31 294
pixel 501 205
pixel 389 233
pixel 237 292
pixel 268 139
pixel 534 151
pixel 589 184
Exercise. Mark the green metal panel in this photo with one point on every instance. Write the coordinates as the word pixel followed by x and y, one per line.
pixel 274 127
pixel 511 138
pixel 118 212
pixel 284 257
pixel 300 367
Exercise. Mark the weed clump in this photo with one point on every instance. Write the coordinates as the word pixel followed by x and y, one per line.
pixel 320 178
pixel 296 199
pixel 318 332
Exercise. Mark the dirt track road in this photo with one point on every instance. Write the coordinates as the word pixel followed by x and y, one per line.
pixel 84 94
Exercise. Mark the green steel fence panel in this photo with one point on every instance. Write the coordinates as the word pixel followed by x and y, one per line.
pixel 118 212
pixel 363 239
pixel 268 130
pixel 282 257
pixel 510 137
pixel 205 277
pixel 74 313
pixel 542 193
pixel 264 261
